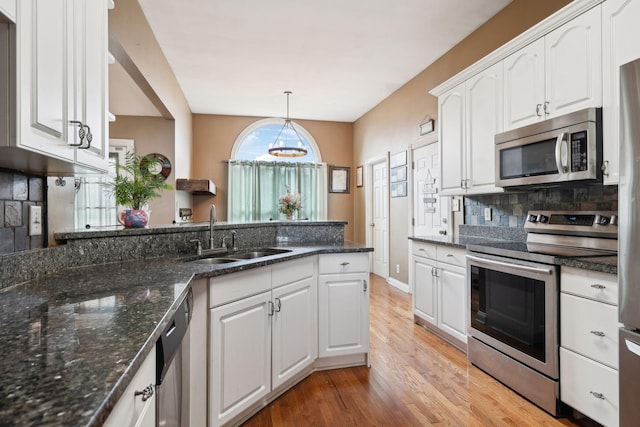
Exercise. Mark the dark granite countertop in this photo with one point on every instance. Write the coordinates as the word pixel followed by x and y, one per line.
pixel 72 341
pixel 516 249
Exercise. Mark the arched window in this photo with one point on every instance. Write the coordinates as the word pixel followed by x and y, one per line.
pixel 257 179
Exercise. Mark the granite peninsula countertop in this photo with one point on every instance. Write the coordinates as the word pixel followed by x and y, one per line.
pixel 73 340
pixel 604 264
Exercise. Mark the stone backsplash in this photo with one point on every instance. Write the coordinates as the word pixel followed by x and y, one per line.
pixel 510 209
pixel 17 193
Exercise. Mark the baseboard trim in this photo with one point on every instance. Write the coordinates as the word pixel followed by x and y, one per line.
pixel 398 284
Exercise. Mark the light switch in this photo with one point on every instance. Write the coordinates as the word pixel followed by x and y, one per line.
pixel 35 220
pixel 487 214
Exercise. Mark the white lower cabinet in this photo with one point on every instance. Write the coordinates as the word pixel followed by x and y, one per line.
pixel 137 405
pixel 343 298
pixel 260 341
pixel 439 281
pixel 589 343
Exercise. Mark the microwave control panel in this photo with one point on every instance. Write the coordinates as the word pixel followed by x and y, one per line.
pixel 579 160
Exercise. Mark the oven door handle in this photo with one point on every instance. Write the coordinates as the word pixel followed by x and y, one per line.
pixel 562 162
pixel 509 265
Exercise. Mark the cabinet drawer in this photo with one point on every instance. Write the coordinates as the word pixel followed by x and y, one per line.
pixel 451 255
pixel 293 271
pixel 235 286
pixel 589 328
pixel 589 387
pixel 425 250
pixel 590 284
pixel 344 263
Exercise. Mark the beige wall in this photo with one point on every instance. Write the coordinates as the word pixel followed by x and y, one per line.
pixel 128 25
pixel 213 139
pixel 152 135
pixel 392 126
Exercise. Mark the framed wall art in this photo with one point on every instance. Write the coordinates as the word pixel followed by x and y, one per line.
pixel 338 179
pixel 359 177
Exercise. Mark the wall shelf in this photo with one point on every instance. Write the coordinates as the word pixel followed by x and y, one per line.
pixel 196 186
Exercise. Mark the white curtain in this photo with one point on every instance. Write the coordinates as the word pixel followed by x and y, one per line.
pixel 95 205
pixel 254 189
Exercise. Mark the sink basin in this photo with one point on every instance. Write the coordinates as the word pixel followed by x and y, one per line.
pixel 214 260
pixel 258 253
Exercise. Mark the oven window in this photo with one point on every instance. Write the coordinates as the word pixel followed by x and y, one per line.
pixel 509 308
pixel 534 159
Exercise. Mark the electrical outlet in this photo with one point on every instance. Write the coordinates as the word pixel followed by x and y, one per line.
pixel 397 268
pixel 487 214
pixel 455 205
pixel 35 220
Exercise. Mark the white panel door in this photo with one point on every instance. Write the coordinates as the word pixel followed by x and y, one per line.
pixel 380 219
pixel 343 314
pixel 240 356
pixel 524 86
pixel 430 211
pixel 295 329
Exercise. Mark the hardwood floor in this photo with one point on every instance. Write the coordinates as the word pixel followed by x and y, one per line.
pixel 415 379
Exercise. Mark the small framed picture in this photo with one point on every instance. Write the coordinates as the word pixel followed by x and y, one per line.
pixel 427 127
pixel 359 172
pixel 399 174
pixel 399 189
pixel 338 179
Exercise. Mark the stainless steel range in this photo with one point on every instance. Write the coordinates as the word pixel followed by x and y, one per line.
pixel 514 293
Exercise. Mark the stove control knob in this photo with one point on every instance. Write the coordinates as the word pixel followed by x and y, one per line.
pixel 543 219
pixel 533 218
pixel 602 220
pixel 613 220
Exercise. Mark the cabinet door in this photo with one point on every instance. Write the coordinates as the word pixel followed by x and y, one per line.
pixel 240 356
pixel 484 118
pixel 619 26
pixel 524 86
pixel 424 294
pixel 452 290
pixel 88 82
pixel 294 330
pixel 573 65
pixel 42 77
pixel 343 316
pixel 452 135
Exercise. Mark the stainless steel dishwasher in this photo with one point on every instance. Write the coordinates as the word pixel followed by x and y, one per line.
pixel 172 369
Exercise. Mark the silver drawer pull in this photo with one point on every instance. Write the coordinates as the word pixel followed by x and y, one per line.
pixel 146 393
pixel 422 250
pixel 597 395
pixel 598 333
pixel 344 264
pixel 450 255
pixel 598 286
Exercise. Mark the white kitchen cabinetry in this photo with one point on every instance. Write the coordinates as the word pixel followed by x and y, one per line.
pixel 8 9
pixel 263 328
pixel 619 27
pixel 439 282
pixel 556 74
pixel 137 405
pixel 343 300
pixel 589 339
pixel 470 116
pixel 61 80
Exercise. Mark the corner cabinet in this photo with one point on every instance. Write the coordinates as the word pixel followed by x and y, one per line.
pixel 62 81
pixel 343 298
pixel 439 281
pixel 556 74
pixel 619 27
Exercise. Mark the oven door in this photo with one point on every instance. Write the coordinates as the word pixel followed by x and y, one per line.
pixel 514 309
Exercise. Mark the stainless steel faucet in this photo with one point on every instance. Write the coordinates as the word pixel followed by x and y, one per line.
pixel 233 241
pixel 212 220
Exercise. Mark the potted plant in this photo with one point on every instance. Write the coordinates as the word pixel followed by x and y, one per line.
pixel 135 183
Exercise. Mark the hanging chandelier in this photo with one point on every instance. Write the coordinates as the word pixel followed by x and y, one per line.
pixel 288 143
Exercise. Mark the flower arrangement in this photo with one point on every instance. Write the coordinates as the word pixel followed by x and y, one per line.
pixel 289 204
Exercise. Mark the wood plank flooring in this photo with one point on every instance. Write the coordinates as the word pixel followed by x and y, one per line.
pixel 415 379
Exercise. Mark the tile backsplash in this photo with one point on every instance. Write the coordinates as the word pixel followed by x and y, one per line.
pixel 510 209
pixel 17 193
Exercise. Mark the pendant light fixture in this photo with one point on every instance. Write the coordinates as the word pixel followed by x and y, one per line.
pixel 288 143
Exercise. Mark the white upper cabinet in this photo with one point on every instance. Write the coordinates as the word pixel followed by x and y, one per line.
pixel 8 8
pixel 620 32
pixel 470 116
pixel 62 50
pixel 556 74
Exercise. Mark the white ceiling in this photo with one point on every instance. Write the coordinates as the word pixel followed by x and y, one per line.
pixel 339 57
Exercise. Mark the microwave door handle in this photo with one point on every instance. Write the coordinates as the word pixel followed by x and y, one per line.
pixel 561 153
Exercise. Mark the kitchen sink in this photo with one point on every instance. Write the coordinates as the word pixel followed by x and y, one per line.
pixel 258 253
pixel 219 260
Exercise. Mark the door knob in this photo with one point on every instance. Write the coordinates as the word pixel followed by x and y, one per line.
pixel 372 224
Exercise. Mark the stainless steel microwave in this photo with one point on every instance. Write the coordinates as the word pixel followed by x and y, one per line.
pixel 561 149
